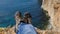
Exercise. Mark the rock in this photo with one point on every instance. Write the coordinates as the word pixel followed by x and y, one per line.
pixel 53 8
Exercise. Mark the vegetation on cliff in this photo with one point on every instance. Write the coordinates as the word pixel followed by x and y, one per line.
pixel 44 21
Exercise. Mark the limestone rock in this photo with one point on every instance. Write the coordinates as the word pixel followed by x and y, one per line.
pixel 53 8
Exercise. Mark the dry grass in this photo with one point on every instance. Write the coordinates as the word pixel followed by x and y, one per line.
pixel 47 31
pixel 7 31
pixel 11 31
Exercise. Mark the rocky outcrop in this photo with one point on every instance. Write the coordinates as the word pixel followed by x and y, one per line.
pixel 7 31
pixel 53 8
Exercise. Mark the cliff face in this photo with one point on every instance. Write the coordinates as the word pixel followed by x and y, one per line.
pixel 53 8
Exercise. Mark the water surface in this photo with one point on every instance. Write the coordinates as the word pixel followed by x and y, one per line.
pixel 9 7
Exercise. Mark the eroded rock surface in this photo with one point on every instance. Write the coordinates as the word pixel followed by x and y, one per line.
pixel 53 8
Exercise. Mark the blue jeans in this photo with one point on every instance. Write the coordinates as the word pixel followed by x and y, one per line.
pixel 24 28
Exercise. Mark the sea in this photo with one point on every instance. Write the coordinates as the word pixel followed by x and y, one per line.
pixel 8 9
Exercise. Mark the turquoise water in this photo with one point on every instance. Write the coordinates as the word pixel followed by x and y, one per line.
pixel 9 7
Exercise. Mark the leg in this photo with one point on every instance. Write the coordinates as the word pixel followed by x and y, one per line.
pixel 28 17
pixel 18 18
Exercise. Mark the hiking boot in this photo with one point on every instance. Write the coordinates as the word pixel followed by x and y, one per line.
pixel 27 17
pixel 18 18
